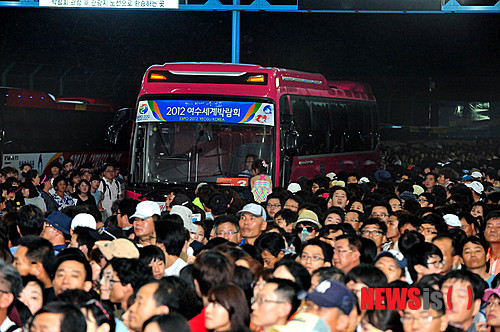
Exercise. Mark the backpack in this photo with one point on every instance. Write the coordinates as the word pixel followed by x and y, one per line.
pixel 105 187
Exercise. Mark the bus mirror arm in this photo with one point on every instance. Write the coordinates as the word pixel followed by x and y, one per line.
pixel 149 193
pixel 291 143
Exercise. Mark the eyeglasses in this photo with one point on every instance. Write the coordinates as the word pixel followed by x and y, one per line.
pixel 379 215
pixel 314 258
pixel 273 206
pixel 103 230
pixel 310 229
pixel 223 233
pixel 261 301
pixel 424 319
pixel 112 281
pixel 341 251
pixel 493 303
pixel 371 233
pixel 436 264
pixel 428 230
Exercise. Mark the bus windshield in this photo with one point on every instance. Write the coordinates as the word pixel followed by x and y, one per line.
pixel 187 152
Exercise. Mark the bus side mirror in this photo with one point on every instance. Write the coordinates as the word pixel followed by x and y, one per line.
pixel 291 143
pixel 119 123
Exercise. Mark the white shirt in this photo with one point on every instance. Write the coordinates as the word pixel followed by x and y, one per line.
pixel 175 269
pixel 6 324
pixel 110 194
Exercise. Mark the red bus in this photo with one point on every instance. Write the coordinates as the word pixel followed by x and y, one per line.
pixel 37 128
pixel 199 121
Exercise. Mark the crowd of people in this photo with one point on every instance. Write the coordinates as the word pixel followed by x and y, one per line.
pixel 80 256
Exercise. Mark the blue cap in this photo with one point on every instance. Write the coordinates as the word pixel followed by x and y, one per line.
pixel 396 255
pixel 331 294
pixel 59 221
pixel 382 175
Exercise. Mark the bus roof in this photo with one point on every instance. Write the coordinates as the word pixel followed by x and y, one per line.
pixel 188 80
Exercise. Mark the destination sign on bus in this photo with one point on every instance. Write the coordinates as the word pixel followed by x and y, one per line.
pixel 205 111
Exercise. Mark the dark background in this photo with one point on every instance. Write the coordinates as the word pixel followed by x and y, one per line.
pixel 104 53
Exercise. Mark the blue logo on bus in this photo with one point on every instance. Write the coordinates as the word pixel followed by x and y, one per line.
pixel 143 110
pixel 267 109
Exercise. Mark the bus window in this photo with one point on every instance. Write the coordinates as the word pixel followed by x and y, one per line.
pixel 302 121
pixel 354 127
pixel 320 129
pixel 374 126
pixel 366 130
pixel 338 124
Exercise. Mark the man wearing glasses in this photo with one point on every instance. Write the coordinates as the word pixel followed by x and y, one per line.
pixel 275 303
pixel 375 230
pixel 110 187
pixel 381 210
pixel 431 226
pixel 424 258
pixel 227 227
pixel 316 254
pixel 274 203
pixel 432 319
pixel 347 252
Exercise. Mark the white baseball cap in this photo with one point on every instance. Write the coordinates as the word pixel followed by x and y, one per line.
pixel 294 187
pixel 332 176
pixel 476 175
pixel 452 220
pixel 83 220
pixel 146 209
pixel 186 215
pixel 476 186
pixel 254 209
pixel 364 179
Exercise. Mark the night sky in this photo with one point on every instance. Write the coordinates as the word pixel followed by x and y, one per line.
pixel 395 53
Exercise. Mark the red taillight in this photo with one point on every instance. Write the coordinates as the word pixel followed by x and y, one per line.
pixel 256 79
pixel 157 77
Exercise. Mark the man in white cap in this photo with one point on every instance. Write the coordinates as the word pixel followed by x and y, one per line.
pixel 83 220
pixel 477 189
pixel 294 187
pixel 477 175
pixel 252 222
pixel 146 213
